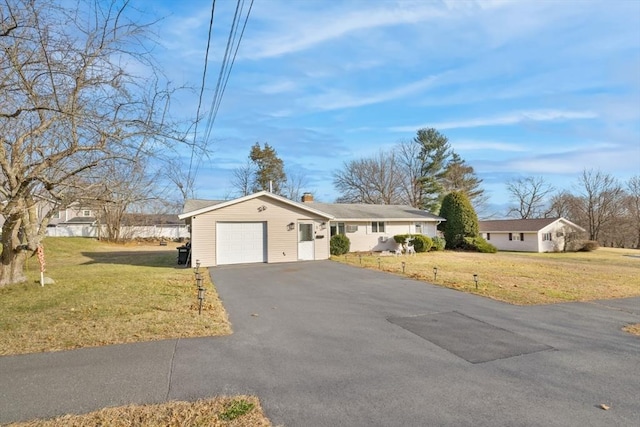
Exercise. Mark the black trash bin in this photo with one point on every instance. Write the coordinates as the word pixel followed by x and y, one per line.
pixel 183 254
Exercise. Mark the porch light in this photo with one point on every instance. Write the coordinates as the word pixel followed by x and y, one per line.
pixel 475 279
pixel 435 273
pixel 291 226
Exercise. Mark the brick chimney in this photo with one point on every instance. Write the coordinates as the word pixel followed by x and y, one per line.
pixel 307 198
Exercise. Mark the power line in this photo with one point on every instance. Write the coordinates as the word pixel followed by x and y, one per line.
pixel 204 76
pixel 225 69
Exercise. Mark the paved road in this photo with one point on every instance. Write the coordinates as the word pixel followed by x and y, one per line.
pixel 323 344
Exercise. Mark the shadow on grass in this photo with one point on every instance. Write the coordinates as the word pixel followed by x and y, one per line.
pixel 158 258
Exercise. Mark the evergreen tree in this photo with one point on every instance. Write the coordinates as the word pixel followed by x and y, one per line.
pixel 458 176
pixel 461 219
pixel 269 169
pixel 434 151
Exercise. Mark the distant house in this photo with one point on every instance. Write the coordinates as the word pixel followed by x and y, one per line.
pixel 264 227
pixel 529 235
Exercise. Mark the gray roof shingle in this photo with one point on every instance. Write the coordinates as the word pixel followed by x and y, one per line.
pixel 344 211
pixel 366 212
pixel 195 204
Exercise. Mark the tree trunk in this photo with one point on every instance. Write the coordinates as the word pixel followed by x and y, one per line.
pixel 14 255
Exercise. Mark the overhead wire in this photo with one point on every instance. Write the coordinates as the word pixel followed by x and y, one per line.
pixel 204 76
pixel 233 45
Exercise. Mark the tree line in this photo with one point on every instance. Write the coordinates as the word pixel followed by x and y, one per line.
pixel 608 209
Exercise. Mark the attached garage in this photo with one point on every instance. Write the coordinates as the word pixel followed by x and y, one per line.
pixel 258 228
pixel 241 242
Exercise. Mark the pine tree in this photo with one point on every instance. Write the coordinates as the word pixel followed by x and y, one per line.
pixel 459 176
pixel 434 151
pixel 269 169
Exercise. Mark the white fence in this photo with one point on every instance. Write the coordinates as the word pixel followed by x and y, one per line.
pixel 127 232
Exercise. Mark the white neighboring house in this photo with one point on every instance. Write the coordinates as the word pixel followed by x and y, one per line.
pixel 264 227
pixel 74 221
pixel 78 220
pixel 529 235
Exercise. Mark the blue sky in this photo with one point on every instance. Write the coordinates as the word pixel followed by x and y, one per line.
pixel 520 88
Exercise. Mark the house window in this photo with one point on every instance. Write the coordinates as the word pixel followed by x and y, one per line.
pixel 337 228
pixel 546 237
pixel 86 213
pixel 488 236
pixel 306 232
pixel 352 228
pixel 516 236
pixel 418 228
pixel 377 227
pixel 56 215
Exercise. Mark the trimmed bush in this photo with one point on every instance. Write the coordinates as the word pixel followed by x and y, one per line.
pixel 401 238
pixel 421 243
pixel 339 244
pixel 438 244
pixel 478 244
pixel 461 219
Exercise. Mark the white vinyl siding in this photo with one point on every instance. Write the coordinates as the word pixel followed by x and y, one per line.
pixel 281 239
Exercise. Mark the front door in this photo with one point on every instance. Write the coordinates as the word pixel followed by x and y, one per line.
pixel 305 241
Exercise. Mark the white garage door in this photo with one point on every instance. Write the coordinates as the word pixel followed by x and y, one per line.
pixel 241 242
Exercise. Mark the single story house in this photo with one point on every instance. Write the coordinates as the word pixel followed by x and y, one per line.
pixel 265 227
pixel 529 235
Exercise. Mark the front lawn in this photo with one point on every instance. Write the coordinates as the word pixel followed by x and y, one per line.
pixel 105 294
pixel 521 278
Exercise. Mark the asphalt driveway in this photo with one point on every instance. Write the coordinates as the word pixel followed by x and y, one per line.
pixel 324 344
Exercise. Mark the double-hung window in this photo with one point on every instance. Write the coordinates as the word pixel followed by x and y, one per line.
pixel 377 227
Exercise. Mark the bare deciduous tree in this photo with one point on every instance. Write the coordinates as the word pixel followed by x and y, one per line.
pixel 633 206
pixel 295 185
pixel 529 194
pixel 410 166
pixel 69 103
pixel 242 178
pixel 600 200
pixel 373 180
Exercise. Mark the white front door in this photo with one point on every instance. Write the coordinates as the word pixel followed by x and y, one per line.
pixel 305 241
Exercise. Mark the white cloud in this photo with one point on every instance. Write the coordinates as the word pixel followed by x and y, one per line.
pixel 308 30
pixel 334 100
pixel 476 145
pixel 504 120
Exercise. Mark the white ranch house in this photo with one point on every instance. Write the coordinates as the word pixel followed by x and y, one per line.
pixel 529 235
pixel 264 227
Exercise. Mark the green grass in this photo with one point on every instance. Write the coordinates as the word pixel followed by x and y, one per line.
pixel 105 294
pixel 522 278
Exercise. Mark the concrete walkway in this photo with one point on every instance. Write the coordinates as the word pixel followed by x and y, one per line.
pixel 324 344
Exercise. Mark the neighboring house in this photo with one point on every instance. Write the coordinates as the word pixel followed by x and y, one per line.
pixel 81 221
pixel 529 235
pixel 264 227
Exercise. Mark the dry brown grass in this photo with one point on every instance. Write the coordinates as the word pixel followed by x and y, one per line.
pixel 632 329
pixel 106 294
pixel 522 278
pixel 209 412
